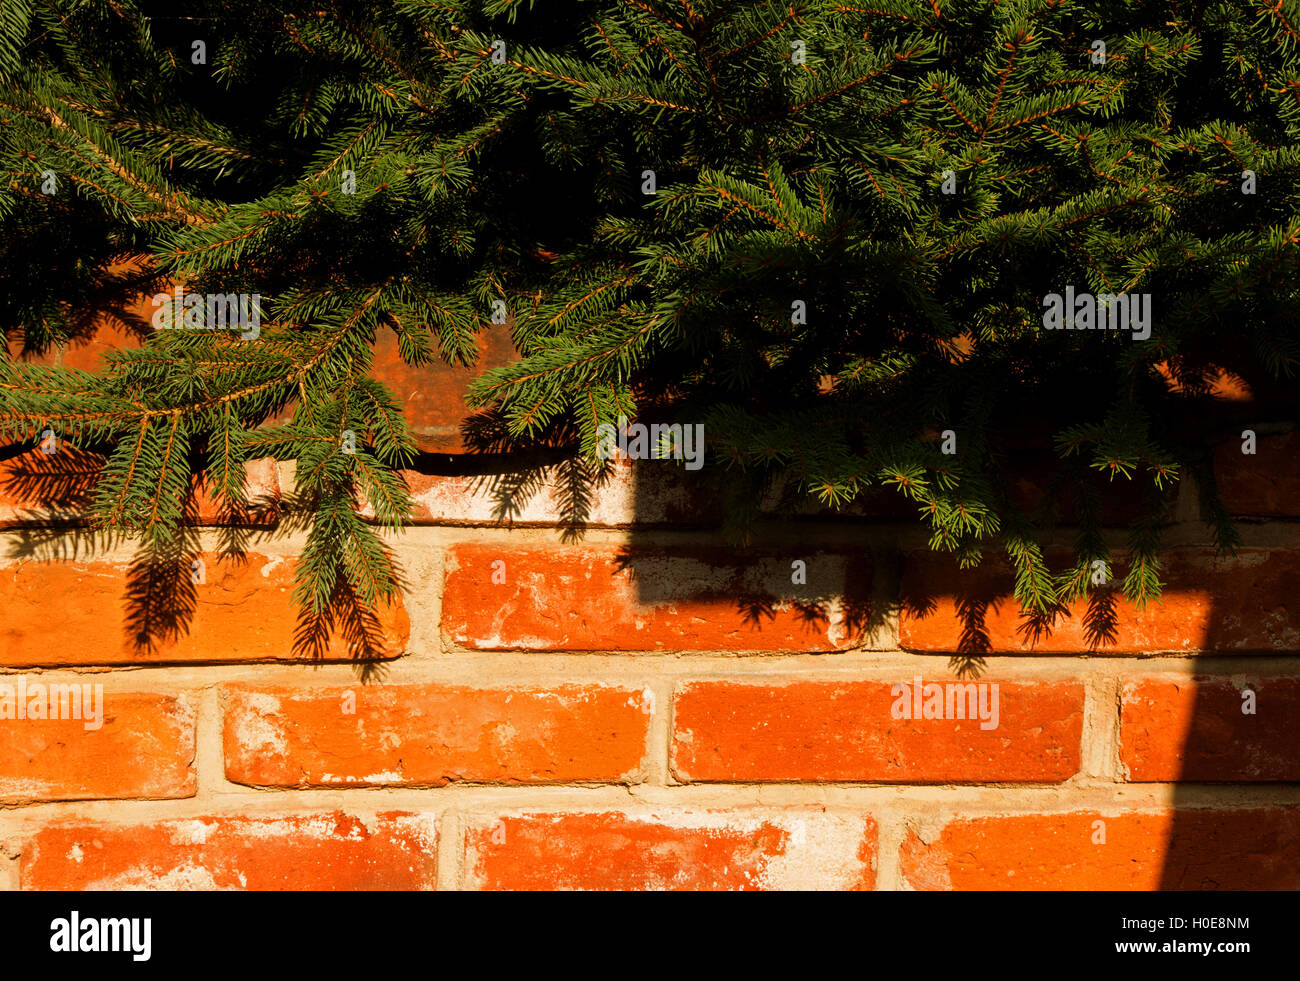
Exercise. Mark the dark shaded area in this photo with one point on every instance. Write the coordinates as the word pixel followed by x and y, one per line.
pixel 96 294
pixel 347 616
pixel 161 597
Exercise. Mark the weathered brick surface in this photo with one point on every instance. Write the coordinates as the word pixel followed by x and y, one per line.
pixel 37 488
pixel 65 612
pixel 667 849
pixel 134 745
pixel 433 395
pixel 643 493
pixel 40 488
pixel 679 765
pixel 325 851
pixel 1185 729
pixel 1229 605
pixel 87 352
pixel 595 598
pixel 1189 848
pixel 434 735
pixel 725 731
pixel 261 496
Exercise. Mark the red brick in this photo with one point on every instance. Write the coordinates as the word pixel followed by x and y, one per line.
pixel 664 849
pixel 261 494
pixel 119 317
pixel 116 314
pixel 845 731
pixel 433 735
pixel 38 488
pixel 1198 849
pixel 143 747
pixel 635 493
pixel 1266 483
pixel 87 353
pixel 81 612
pixel 1230 605
pixel 433 395
pixel 1194 729
pixel 600 598
pixel 328 851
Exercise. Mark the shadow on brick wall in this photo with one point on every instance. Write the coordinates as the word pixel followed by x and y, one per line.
pixel 1222 715
pixel 794 588
pixel 676 579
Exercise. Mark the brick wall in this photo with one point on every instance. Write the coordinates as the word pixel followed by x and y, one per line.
pixel 648 706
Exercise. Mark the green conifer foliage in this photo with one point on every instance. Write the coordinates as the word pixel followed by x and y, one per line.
pixel 650 190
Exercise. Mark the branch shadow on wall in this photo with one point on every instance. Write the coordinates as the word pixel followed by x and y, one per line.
pixel 162 594
pixel 751 585
pixel 1196 846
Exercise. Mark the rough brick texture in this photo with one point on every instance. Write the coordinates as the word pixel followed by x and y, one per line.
pixel 660 849
pixel 846 732
pixel 631 494
pixel 433 735
pixel 132 745
pixel 94 612
pixel 39 488
pixel 587 599
pixel 635 702
pixel 433 395
pixel 1220 605
pixel 1218 730
pixel 1184 849
pixel 318 851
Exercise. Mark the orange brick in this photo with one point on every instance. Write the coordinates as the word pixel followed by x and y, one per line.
pixel 328 851
pixel 261 492
pixel 39 489
pixel 433 395
pixel 845 731
pixel 662 849
pixel 598 598
pixel 87 352
pixel 433 735
pixel 1230 605
pixel 143 745
pixel 16 345
pixel 89 612
pixel 118 317
pixel 1182 849
pixel 1195 729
